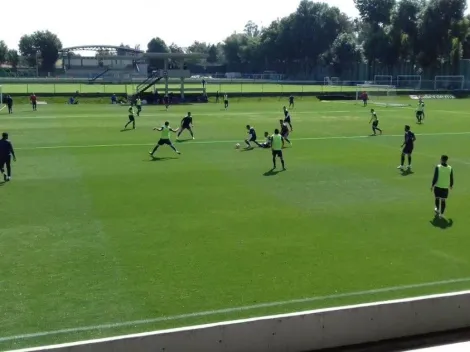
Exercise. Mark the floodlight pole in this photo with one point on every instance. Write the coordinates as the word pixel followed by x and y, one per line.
pixel 37 63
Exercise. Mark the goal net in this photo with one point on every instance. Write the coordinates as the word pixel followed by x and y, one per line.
pixel 383 95
pixel 449 82
pixel 409 81
pixel 331 81
pixel 383 80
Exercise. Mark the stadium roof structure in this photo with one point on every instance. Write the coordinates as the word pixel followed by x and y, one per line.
pixel 99 48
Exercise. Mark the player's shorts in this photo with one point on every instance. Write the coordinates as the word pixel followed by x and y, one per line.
pixel 139 108
pixel 265 145
pixel 5 161
pixel 285 135
pixel 287 120
pixel 226 102
pixel 277 153
pixel 419 113
pixel 185 127
pixel 164 141
pixel 375 123
pixel 408 150
pixel 442 193
pixel 131 118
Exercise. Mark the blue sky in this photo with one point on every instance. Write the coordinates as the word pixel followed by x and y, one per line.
pixel 99 22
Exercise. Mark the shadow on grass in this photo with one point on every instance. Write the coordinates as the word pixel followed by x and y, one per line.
pixel 407 172
pixel 126 130
pixel 2 183
pixel 272 172
pixel 442 223
pixel 183 140
pixel 247 149
pixel 163 158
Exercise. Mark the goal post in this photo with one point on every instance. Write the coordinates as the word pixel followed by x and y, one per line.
pixel 2 105
pixel 331 81
pixel 449 82
pixel 409 81
pixel 379 94
pixel 383 80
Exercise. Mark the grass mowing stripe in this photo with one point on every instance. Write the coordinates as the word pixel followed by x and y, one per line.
pixel 235 141
pixel 234 309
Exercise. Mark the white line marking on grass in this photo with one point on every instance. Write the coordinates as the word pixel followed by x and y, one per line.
pixel 2 107
pixel 233 310
pixel 235 141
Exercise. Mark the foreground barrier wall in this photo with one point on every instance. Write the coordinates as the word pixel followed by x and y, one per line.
pixel 304 331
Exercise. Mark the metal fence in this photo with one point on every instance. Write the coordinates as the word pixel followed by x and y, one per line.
pixel 221 86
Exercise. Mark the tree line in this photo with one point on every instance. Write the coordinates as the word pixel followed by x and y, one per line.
pixel 423 33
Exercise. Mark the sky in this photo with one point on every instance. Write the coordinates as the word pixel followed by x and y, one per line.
pixel 93 22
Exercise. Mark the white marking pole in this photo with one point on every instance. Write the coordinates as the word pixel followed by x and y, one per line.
pixel 234 309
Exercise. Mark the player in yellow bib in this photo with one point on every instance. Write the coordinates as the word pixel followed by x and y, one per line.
pixel 276 146
pixel 165 138
pixel 443 180
pixel 138 103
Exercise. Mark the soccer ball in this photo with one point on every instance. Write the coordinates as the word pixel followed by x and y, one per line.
pixel 237 146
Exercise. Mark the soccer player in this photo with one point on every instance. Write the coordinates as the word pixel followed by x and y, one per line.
pixel 10 104
pixel 166 100
pixel 364 98
pixel 251 137
pixel 420 112
pixel 34 101
pixel 291 101
pixel 375 122
pixel 138 103
pixel 284 133
pixel 442 181
pixel 408 146
pixel 225 101
pixel 287 118
pixel 165 138
pixel 276 147
pixel 267 143
pixel 6 154
pixel 186 124
pixel 131 118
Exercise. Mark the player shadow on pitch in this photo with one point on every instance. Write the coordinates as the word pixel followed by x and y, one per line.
pixel 162 158
pixel 272 172
pixel 183 140
pixel 126 129
pixel 442 223
pixel 407 172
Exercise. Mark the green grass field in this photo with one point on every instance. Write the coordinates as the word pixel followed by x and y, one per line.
pixel 211 88
pixel 98 240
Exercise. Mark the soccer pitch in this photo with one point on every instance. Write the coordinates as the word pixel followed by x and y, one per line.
pixel 212 87
pixel 98 240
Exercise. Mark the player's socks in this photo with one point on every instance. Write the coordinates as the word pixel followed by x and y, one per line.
pixel 283 165
pixel 437 204
pixel 443 206
pixel 402 162
pixel 409 161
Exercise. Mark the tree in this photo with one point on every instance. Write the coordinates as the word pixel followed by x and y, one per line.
pixel 199 48
pixel 252 29
pixel 13 58
pixel 212 52
pixel 376 12
pixel 345 53
pixel 157 45
pixel 42 45
pixel 3 52
pixel 175 49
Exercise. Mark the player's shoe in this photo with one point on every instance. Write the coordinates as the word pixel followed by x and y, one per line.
pixel 400 167
pixel 194 138
pixel 408 167
pixel 436 211
pixel 178 152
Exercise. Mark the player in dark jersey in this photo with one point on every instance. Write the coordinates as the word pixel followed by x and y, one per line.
pixel 375 122
pixel 284 132
pixel 131 118
pixel 166 101
pixel 186 124
pixel 6 154
pixel 251 137
pixel 408 146
pixel 287 118
pixel 291 102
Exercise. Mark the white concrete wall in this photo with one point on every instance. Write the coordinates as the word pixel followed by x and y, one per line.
pixel 298 332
